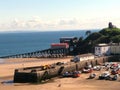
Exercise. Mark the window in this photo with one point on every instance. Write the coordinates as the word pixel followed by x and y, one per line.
pixel 96 48
pixel 99 48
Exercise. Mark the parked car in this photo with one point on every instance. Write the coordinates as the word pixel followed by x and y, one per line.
pixel 114 65
pixel 92 76
pixel 97 68
pixel 115 77
pixel 67 74
pixel 89 70
pixel 76 74
pixel 75 59
pixel 73 74
pixel 104 75
pixel 115 71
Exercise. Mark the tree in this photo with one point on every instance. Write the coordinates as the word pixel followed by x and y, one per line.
pixel 80 39
pixel 116 39
pixel 93 36
pixel 88 33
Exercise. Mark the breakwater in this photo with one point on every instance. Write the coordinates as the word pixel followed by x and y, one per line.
pixel 37 74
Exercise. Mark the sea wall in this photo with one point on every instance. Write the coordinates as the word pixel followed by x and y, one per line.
pixel 35 74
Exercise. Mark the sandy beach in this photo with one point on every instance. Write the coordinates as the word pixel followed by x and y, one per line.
pixel 81 83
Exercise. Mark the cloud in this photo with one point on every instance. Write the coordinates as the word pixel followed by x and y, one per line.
pixel 31 24
pixel 37 24
pixel 68 22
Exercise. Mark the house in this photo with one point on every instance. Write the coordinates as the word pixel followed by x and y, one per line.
pixel 115 49
pixel 102 49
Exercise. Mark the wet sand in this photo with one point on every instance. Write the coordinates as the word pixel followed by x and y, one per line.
pixel 81 83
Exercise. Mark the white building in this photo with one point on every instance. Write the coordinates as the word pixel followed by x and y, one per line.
pixel 102 49
pixel 83 57
pixel 86 57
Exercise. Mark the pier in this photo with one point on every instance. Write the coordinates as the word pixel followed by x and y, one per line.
pixel 47 53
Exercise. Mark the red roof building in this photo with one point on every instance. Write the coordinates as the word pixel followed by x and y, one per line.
pixel 59 45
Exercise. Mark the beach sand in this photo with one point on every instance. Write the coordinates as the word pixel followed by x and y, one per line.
pixel 81 83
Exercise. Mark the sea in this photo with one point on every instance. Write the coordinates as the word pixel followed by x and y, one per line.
pixel 23 42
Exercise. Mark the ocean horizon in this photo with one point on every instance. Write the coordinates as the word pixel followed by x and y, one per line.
pixel 12 43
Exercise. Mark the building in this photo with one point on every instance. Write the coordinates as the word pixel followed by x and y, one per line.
pixel 59 45
pixel 115 49
pixel 83 57
pixel 86 57
pixel 71 41
pixel 102 49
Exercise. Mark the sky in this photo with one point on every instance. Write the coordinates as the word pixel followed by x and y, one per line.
pixel 50 15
